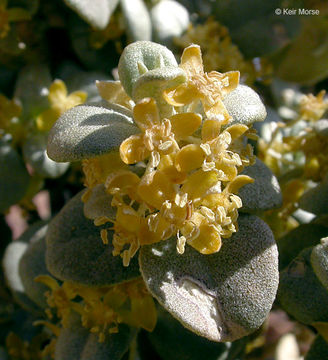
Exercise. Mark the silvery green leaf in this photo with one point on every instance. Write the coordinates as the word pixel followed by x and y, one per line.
pixel 244 105
pixel 96 13
pixel 319 261
pixel 31 89
pixel 170 19
pixel 223 296
pixel 76 343
pixel 304 236
pixel 35 153
pixel 301 293
pixel 264 193
pixel 99 204
pixel 137 20
pixel 140 57
pixel 33 264
pixel 11 262
pixel 315 199
pixel 75 251
pixel 14 178
pixel 86 131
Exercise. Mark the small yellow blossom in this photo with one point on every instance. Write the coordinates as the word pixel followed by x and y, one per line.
pixel 59 103
pixel 209 88
pixel 10 15
pixel 313 107
pixel 59 297
pixel 103 308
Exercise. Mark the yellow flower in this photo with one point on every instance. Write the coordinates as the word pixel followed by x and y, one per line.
pixel 59 103
pixel 103 308
pixel 60 297
pixel 209 88
pixel 313 107
pixel 10 15
pixel 155 136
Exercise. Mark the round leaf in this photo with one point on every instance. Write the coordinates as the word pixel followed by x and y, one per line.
pixel 99 204
pixel 244 105
pixel 32 87
pixel 315 199
pixel 170 19
pixel 75 251
pixel 223 296
pixel 137 20
pixel 87 131
pixel 35 153
pixel 301 293
pixel 140 57
pixel 264 193
pixel 95 13
pixel 319 261
pixel 33 264
pixel 11 262
pixel 291 244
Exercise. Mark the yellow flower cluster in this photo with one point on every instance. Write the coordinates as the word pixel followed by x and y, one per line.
pixel 190 182
pixel 313 107
pixel 102 309
pixel 219 52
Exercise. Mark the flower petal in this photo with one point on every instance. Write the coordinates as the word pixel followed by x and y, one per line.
pixel 113 92
pixel 185 124
pixel 145 114
pixel 190 157
pixel 191 60
pixel 155 188
pixel 132 149
pixel 57 92
pixel 208 241
pixel 198 183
